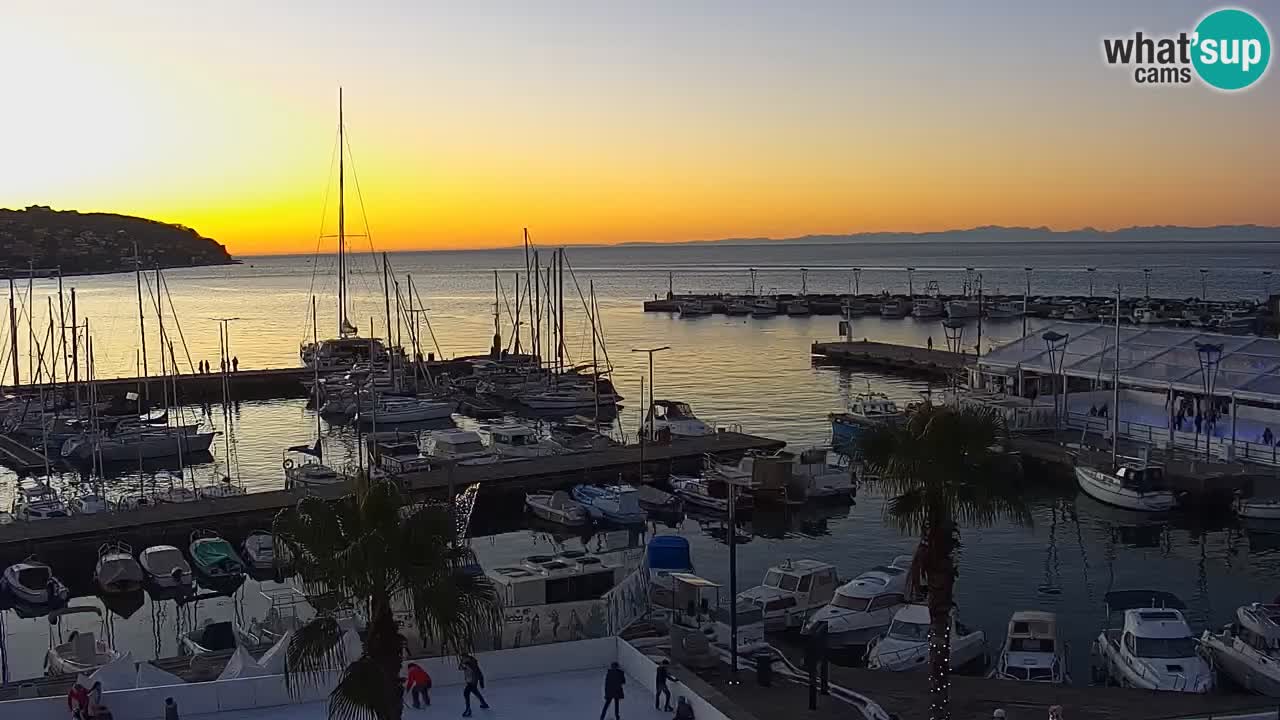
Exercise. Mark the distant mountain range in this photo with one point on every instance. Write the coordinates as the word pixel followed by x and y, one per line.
pixel 79 243
pixel 1002 234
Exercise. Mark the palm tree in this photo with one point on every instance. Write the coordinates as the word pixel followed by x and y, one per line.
pixel 370 550
pixel 940 470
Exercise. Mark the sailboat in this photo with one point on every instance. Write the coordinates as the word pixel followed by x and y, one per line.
pixel 348 348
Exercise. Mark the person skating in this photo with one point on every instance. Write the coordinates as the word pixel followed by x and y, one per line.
pixel 418 683
pixel 663 692
pixel 614 679
pixel 474 679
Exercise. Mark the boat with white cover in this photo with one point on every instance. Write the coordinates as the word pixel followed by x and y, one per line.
pixel 675 419
pixel 792 590
pixel 1257 508
pixel 35 500
pixel 83 651
pixel 144 445
pixel 463 447
pixel 557 507
pixel 32 583
pixel 1248 650
pixel 706 494
pixel 259 548
pixel 514 441
pixel 1130 486
pixel 906 645
pixel 1032 651
pixel 213 557
pixel 1152 648
pixel 116 571
pixel 863 607
pixel 615 503
pixel 165 567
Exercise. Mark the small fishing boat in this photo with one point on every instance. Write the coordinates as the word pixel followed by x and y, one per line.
pixel 515 441
pixel 615 503
pixel 1006 309
pixel 34 500
pixel 213 557
pixel 1130 486
pixel 694 308
pixel 792 590
pixel 281 618
pixel 116 571
pixel 1256 508
pixel 895 308
pixel 764 308
pixel 260 550
pixel 961 309
pixel 1033 652
pixel 675 419
pixel 557 507
pixel 798 308
pixel 928 307
pixel 212 637
pixel 906 645
pixel 82 651
pixel 1153 648
pixel 867 410
pixel 863 607
pixel 165 567
pixel 1248 650
pixel 463 447
pixel 480 409
pixel 87 502
pixel 655 500
pixel 737 308
pixel 703 493
pixel 1079 312
pixel 32 583
pixel 222 489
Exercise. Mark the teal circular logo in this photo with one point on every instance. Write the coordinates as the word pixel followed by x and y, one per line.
pixel 1232 49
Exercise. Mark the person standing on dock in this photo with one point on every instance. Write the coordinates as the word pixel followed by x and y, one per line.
pixel 170 709
pixel 235 364
pixel 614 679
pixel 662 691
pixel 930 342
pixel 474 679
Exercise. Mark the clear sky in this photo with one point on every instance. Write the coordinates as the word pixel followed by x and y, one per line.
pixel 609 121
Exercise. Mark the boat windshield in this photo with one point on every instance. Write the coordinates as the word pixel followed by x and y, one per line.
pixel 1031 645
pixel 1182 647
pixel 464 447
pixel 902 630
pixel 849 602
pixel 163 559
pixel 515 440
pixel 772 578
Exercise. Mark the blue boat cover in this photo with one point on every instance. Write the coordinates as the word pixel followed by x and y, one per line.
pixel 669 552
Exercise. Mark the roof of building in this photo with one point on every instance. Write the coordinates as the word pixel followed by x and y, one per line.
pixel 1154 358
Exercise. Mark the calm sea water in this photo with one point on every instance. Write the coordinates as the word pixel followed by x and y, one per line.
pixel 752 372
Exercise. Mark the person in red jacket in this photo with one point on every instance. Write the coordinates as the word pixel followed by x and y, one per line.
pixel 418 683
pixel 78 701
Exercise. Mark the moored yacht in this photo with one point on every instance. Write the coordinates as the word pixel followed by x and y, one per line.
pixel 961 309
pixel 895 308
pixel 928 307
pixel 34 500
pixel 792 590
pixel 1130 486
pixel 906 645
pixel 1248 650
pixel 615 503
pixel 1032 651
pixel 867 410
pixel 515 441
pixel 863 607
pixel 1005 309
pixel 673 418
pixel 1152 648
pixel 461 446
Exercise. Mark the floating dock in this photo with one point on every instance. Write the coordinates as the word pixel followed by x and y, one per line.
pixel 895 359
pixel 19 457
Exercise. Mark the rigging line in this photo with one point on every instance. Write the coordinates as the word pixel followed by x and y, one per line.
pixel 364 215
pixel 181 338
pixel 324 211
pixel 427 318
pixel 597 328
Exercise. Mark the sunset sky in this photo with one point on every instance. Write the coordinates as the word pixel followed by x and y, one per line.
pixel 610 122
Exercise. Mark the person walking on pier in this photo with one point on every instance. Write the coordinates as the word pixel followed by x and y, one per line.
pixel 170 709
pixel 662 691
pixel 235 364
pixel 614 679
pixel 418 683
pixel 474 679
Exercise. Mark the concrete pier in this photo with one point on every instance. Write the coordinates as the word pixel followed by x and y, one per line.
pixel 895 359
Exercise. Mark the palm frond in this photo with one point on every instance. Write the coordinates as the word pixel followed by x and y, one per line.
pixel 365 692
pixel 314 649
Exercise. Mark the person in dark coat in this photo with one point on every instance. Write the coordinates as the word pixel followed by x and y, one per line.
pixel 614 679
pixel 170 709
pixel 474 680
pixel 662 691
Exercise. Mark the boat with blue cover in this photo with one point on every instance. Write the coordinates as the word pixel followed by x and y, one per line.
pixel 867 410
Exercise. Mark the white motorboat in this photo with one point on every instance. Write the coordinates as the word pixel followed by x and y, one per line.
pixel 144 445
pixel 1153 649
pixel 675 419
pixel 863 607
pixel 308 471
pixel 34 500
pixel 1133 487
pixel 567 399
pixel 1033 652
pixel 928 307
pixel 961 309
pixel 212 637
pixel 1255 508
pixel 820 474
pixel 116 571
pixel 764 307
pixel 694 308
pixel 463 447
pixel 1248 650
pixel 615 503
pixel 791 591
pixel 906 645
pixel 87 502
pixel 390 411
pixel 1079 312
pixel 259 549
pixel 515 441
pixel 82 651
pixel 867 410
pixel 165 567
pixel 798 308
pixel 33 583
pixel 221 489
pixel 557 507
pixel 704 493
pixel 895 308
pixel 1005 309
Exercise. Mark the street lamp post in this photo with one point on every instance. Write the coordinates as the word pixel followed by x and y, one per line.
pixel 1056 345
pixel 857 281
pixel 911 288
pixel 1266 285
pixel 1204 285
pixel 1091 271
pixel 1146 281
pixel 649 412
pixel 733 581
pixel 1210 356
pixel 953 332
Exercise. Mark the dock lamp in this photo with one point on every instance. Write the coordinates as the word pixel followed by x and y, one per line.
pixel 1055 344
pixel 650 351
pixel 1091 271
pixel 1146 281
pixel 1210 356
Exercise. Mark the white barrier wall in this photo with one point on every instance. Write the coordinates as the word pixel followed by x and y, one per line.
pixel 269 691
pixel 645 671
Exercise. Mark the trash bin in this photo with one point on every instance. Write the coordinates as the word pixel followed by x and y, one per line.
pixel 764 669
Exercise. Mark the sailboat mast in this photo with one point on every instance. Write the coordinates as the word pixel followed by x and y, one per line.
pixel 595 369
pixel 342 226
pixel 142 324
pixel 13 336
pixel 517 319
pixel 386 299
pixel 164 389
pixel 560 309
pixel 1115 389
pixel 497 318
pixel 535 308
pixel 315 368
pixel 75 352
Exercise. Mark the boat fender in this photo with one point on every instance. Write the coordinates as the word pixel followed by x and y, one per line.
pixel 288 463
